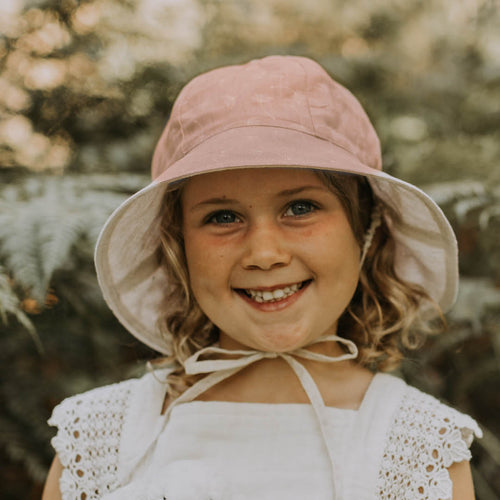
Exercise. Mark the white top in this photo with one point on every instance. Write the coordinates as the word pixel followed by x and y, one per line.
pixel 114 444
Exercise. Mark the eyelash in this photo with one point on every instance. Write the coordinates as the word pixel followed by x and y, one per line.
pixel 211 218
pixel 311 205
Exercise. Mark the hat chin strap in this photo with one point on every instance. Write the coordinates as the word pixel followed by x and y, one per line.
pixel 220 369
pixel 376 220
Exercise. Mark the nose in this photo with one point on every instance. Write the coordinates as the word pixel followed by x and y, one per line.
pixel 265 248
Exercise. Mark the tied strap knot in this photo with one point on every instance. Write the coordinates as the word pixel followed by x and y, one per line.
pixel 193 365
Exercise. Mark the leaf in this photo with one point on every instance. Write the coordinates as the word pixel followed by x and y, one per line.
pixel 49 217
pixel 10 305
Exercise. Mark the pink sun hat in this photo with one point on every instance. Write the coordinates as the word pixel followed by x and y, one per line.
pixel 279 111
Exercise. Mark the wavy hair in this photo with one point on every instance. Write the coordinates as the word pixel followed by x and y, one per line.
pixel 383 318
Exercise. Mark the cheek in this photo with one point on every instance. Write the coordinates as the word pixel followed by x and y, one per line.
pixel 337 255
pixel 335 242
pixel 193 246
pixel 206 261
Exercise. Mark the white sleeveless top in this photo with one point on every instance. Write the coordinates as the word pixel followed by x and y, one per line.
pixel 398 444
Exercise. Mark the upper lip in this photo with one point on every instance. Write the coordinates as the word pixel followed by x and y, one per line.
pixel 271 288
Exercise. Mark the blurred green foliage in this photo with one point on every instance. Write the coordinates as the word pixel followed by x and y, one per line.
pixel 85 89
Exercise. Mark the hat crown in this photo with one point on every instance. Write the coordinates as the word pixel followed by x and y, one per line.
pixel 286 92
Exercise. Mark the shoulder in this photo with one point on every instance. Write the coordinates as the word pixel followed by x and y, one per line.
pixel 424 439
pixel 89 436
pixel 99 399
pixel 439 423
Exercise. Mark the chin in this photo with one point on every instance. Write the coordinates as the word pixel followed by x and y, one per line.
pixel 280 342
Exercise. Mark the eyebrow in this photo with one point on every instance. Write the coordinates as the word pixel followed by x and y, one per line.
pixel 281 194
pixel 300 189
pixel 212 201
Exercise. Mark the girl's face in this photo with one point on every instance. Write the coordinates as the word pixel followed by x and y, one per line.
pixel 272 259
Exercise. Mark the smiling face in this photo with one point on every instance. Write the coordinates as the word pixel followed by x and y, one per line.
pixel 272 259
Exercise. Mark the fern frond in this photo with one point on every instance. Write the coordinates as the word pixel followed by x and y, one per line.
pixel 10 305
pixel 43 219
pixel 492 212
pixel 36 237
pixel 444 193
pixel 463 208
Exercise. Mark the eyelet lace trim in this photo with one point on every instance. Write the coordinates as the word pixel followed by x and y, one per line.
pixel 425 438
pixel 88 440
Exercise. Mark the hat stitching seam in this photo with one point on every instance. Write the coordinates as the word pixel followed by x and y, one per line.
pixel 180 121
pixel 316 135
pixel 307 98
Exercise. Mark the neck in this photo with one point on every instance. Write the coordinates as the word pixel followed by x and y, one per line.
pixel 272 381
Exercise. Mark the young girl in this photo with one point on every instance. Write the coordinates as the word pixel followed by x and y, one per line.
pixel 279 271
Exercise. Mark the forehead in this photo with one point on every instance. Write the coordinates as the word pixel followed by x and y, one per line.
pixel 241 182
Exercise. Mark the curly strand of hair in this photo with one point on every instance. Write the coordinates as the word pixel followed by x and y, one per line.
pixel 390 308
pixel 184 326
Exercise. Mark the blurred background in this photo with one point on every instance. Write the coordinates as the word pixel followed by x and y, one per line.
pixel 85 89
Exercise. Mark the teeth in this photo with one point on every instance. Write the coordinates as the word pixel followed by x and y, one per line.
pixel 278 294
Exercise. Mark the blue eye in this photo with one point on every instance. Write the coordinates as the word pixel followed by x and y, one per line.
pixel 300 207
pixel 223 217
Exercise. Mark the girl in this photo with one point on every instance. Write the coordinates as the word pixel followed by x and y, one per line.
pixel 279 271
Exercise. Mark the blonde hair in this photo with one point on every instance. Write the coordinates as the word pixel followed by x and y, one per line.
pixel 383 318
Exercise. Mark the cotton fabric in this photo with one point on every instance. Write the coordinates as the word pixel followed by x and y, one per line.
pixel 398 444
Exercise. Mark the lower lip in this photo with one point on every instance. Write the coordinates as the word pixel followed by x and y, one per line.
pixel 275 306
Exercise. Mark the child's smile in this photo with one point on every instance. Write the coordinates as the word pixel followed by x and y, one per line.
pixel 273 261
pixel 274 298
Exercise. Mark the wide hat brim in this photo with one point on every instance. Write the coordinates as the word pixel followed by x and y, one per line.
pixel 135 285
